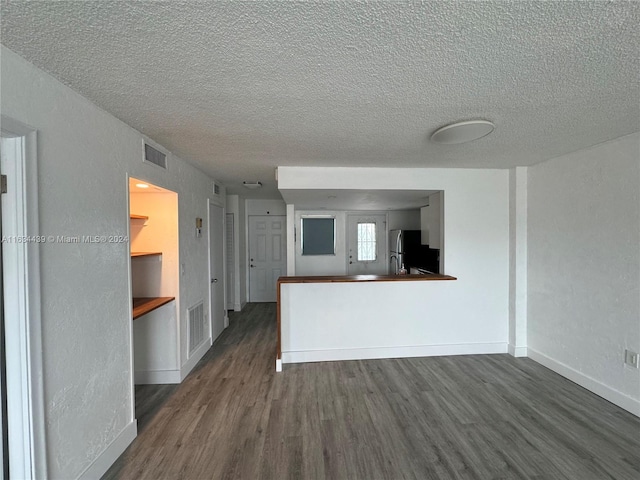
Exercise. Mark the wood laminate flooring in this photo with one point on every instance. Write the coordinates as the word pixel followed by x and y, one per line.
pixel 463 417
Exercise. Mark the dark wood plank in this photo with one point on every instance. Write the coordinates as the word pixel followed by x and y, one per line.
pixel 366 278
pixel 144 305
pixel 463 417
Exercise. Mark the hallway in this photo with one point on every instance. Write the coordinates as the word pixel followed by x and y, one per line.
pixel 465 417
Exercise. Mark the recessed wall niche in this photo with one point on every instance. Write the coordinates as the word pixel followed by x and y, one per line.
pixel 153 216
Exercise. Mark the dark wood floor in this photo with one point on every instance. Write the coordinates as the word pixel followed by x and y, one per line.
pixel 464 417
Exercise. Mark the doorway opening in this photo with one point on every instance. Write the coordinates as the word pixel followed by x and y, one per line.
pixel 153 234
pixel 23 440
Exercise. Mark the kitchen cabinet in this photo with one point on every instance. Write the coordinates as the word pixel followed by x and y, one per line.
pixel 431 220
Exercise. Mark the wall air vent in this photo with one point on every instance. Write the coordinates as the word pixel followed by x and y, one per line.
pixel 154 156
pixel 216 189
pixel 197 326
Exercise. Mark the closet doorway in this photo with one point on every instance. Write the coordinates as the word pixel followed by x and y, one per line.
pixel 153 233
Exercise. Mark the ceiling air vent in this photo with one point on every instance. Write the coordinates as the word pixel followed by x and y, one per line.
pixel 155 156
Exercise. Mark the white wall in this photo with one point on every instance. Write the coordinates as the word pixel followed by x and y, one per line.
pixel 155 276
pixel 84 156
pixel 404 219
pixel 518 261
pixel 337 264
pixel 235 205
pixel 341 321
pixel 584 267
pixel 322 264
pixel 242 250
pixel 265 207
pixel 476 211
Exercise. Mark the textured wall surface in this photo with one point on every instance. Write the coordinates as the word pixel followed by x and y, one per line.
pixel 242 87
pixel 584 261
pixel 84 156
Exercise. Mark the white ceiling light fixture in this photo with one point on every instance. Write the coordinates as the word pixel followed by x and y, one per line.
pixel 142 185
pixel 252 185
pixel 462 132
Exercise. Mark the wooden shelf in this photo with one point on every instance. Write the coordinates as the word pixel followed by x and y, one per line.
pixel 145 254
pixel 144 305
pixel 138 217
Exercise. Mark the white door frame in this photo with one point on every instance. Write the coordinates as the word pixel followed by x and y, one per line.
pixel 217 203
pixel 25 393
pixel 230 277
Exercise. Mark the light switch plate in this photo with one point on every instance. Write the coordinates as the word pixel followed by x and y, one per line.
pixel 631 358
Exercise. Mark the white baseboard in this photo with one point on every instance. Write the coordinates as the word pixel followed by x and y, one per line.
pixel 101 464
pixel 623 401
pixel 194 359
pixel 156 377
pixel 278 365
pixel 517 351
pixel 237 307
pixel 392 352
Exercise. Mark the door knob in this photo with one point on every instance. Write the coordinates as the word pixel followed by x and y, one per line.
pixel 214 280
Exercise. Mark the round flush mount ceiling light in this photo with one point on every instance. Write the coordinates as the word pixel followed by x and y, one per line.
pixel 462 132
pixel 142 185
pixel 252 185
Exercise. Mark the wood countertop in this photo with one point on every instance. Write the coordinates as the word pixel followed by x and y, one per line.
pixel 364 278
pixel 144 305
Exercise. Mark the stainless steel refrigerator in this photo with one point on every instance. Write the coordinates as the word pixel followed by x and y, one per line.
pixel 404 249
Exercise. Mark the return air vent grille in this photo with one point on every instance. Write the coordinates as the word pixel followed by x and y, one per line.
pixel 216 189
pixel 196 327
pixel 155 156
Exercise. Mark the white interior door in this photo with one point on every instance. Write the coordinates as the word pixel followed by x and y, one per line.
pixel 216 269
pixel 267 255
pixel 366 243
pixel 230 254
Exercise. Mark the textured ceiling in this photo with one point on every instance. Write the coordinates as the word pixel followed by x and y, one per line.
pixel 239 88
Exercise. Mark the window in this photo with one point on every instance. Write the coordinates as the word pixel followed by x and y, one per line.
pixel 366 242
pixel 318 236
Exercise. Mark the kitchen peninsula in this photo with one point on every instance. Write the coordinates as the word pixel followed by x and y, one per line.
pixel 349 317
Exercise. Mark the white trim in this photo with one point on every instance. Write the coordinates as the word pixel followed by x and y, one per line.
pixel 24 356
pixel 614 396
pixel 132 400
pixel 218 203
pixel 157 377
pixel 291 240
pixel 515 351
pixel 194 358
pixel 278 365
pixel 109 455
pixel 392 352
